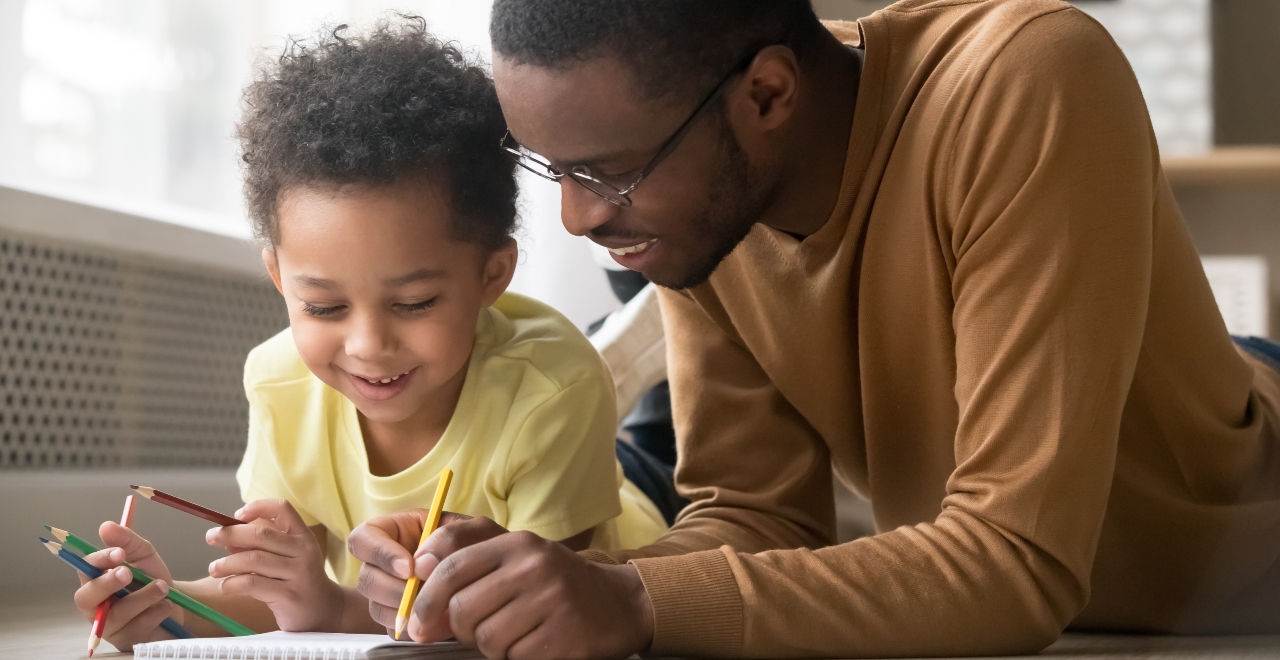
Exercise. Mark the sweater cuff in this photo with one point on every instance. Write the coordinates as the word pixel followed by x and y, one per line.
pixel 599 557
pixel 697 609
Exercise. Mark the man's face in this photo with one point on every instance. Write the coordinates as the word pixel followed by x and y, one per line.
pixel 686 216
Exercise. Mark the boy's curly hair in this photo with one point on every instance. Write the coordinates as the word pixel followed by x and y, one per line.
pixel 370 109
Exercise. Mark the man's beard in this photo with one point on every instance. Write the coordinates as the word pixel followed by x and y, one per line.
pixel 734 205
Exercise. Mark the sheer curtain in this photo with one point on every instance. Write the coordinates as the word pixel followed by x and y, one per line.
pixel 130 104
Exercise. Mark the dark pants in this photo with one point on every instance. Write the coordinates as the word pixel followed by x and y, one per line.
pixel 653 477
pixel 1266 351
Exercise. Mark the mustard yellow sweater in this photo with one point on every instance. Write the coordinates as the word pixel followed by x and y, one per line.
pixel 1003 337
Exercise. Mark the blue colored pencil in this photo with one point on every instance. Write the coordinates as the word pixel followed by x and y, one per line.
pixel 75 561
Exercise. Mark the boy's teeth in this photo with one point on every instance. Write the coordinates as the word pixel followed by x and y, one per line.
pixel 384 381
pixel 630 250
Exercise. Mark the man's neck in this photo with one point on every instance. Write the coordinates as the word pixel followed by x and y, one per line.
pixel 812 166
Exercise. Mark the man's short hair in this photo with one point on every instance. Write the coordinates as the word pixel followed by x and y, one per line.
pixel 671 46
pixel 370 109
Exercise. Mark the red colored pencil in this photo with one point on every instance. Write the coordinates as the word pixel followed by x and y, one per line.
pixel 185 506
pixel 100 615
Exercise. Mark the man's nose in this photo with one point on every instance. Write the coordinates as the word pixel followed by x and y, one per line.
pixel 582 210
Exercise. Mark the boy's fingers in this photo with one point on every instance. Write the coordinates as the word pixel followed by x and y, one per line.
pixel 255 537
pixel 259 562
pixel 93 592
pixel 137 550
pixel 135 547
pixel 257 587
pixel 144 627
pixel 281 511
pixel 105 558
pixel 374 544
pixel 130 607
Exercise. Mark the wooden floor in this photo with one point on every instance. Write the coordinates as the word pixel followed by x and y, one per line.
pixel 43 629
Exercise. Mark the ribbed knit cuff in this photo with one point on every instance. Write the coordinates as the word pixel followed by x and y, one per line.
pixel 599 557
pixel 697 609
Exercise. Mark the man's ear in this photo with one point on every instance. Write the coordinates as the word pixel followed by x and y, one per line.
pixel 769 89
pixel 273 266
pixel 498 271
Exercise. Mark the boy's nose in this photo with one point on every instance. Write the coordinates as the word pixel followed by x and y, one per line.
pixel 582 210
pixel 370 338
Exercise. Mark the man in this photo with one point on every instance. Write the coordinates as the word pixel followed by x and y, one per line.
pixel 933 250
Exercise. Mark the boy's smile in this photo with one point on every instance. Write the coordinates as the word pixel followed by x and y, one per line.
pixel 381 388
pixel 383 299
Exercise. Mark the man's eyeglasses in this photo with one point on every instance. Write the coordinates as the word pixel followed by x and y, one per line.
pixel 610 192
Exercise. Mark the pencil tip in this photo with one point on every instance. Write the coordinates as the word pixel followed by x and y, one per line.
pixel 401 622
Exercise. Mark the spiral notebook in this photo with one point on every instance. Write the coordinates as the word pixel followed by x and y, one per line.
pixel 302 646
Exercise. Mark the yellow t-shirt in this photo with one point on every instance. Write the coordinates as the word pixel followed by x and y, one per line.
pixel 531 441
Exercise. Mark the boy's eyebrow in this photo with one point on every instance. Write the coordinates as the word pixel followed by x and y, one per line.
pixel 416 276
pixel 310 282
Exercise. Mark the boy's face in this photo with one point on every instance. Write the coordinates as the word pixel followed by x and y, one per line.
pixel 383 301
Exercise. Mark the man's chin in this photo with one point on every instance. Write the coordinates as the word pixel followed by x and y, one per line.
pixel 685 275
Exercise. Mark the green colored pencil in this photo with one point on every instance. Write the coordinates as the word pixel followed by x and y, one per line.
pixel 182 600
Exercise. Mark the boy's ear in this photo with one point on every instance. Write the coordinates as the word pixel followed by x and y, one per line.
pixel 498 271
pixel 273 267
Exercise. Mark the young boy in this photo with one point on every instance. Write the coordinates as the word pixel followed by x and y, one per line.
pixel 375 178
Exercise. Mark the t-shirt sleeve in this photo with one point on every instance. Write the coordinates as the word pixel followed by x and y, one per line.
pixel 259 475
pixel 562 470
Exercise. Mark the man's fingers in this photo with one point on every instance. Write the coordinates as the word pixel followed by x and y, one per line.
pixel 450 538
pixel 259 562
pixel 466 566
pixel 92 592
pixel 286 517
pixel 255 536
pixel 377 586
pixel 383 615
pixel 501 634
pixel 476 603
pixel 377 543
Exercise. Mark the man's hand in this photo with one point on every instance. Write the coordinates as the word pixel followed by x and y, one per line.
pixel 386 546
pixel 512 595
pixel 279 562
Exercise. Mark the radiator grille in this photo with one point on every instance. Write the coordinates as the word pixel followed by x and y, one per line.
pixel 109 359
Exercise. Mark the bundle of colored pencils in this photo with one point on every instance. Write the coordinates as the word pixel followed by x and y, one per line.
pixel 140 578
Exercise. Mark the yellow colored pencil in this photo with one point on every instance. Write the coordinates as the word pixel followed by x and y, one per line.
pixel 433 521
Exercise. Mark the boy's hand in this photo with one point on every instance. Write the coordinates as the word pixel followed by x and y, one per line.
pixel 135 619
pixel 388 548
pixel 279 562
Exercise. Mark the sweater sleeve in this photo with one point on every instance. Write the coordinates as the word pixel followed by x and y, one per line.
pixel 1047 197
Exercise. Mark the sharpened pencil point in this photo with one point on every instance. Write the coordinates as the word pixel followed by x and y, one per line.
pixel 144 491
pixel 401 623
pixel 52 547
pixel 94 641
